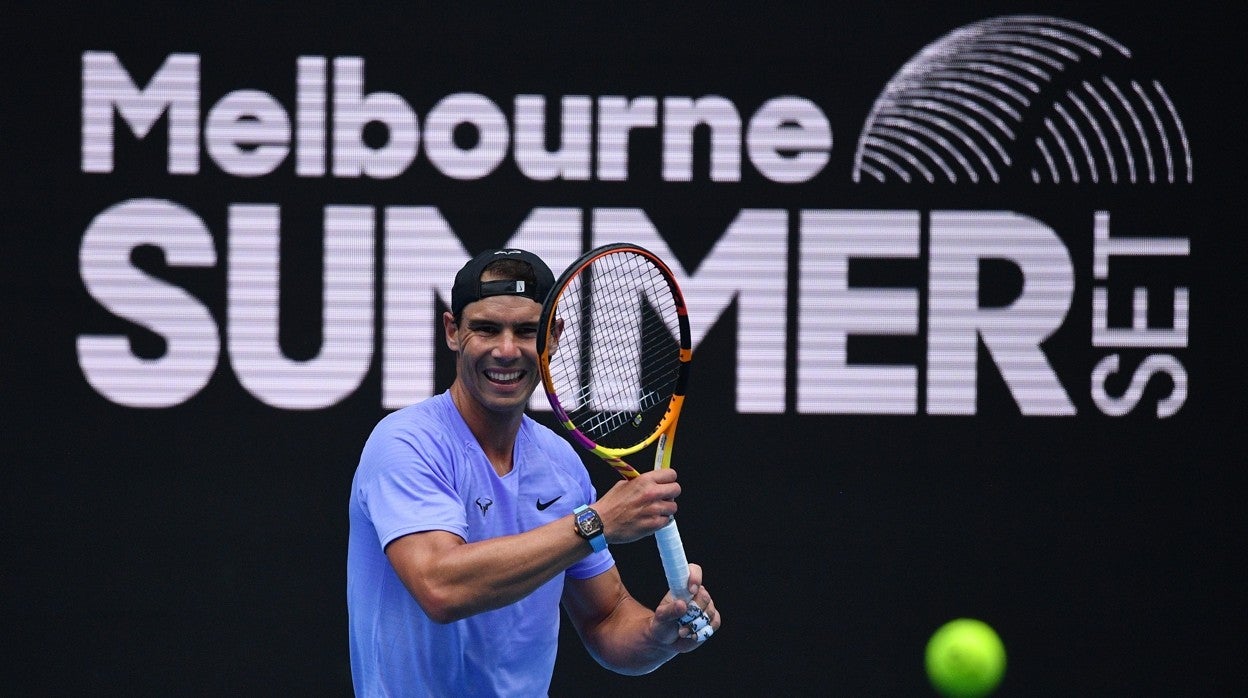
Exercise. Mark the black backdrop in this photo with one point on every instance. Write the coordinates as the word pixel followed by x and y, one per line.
pixel 200 547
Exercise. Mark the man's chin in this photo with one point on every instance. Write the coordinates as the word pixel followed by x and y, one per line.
pixel 509 398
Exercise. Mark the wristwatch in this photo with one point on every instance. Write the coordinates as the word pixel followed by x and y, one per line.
pixel 589 527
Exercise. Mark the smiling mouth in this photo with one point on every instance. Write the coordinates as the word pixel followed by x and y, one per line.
pixel 505 377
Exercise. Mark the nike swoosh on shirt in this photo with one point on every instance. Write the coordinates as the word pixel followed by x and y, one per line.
pixel 541 506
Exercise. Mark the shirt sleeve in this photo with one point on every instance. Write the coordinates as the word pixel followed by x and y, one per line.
pixel 407 484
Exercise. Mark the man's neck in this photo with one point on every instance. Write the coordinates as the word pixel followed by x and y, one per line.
pixel 495 432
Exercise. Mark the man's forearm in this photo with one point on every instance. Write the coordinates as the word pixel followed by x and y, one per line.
pixel 454 581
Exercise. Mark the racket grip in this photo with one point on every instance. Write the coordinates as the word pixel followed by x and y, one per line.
pixel 675 565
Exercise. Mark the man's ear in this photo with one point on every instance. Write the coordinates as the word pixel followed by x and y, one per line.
pixel 451 329
pixel 555 333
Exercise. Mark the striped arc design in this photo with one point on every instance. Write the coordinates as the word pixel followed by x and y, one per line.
pixel 1041 93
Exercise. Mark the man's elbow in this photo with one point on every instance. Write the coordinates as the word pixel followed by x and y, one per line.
pixel 443 608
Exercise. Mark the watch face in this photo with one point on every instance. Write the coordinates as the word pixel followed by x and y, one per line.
pixel 589 523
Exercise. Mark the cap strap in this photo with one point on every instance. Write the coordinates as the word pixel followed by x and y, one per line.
pixel 510 287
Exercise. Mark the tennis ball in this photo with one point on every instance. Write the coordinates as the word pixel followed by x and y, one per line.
pixel 965 659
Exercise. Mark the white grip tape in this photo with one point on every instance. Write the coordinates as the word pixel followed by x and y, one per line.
pixel 675 565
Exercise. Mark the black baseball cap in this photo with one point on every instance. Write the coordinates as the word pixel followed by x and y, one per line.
pixel 469 287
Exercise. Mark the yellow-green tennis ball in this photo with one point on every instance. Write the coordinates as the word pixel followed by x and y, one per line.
pixel 965 659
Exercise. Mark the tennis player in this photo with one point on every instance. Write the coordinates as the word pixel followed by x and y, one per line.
pixel 471 523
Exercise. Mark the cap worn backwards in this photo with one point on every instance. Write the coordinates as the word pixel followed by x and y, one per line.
pixel 469 288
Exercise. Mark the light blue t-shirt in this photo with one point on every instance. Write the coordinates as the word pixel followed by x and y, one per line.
pixel 422 469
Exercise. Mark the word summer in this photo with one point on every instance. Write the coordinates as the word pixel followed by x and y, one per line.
pixel 339 130
pixel 416 252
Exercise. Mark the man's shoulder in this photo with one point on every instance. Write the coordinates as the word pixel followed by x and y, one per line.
pixel 427 421
pixel 430 412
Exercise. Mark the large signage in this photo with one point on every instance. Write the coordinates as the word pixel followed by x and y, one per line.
pixel 1037 99
pixel 962 288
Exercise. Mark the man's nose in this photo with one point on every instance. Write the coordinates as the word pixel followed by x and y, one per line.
pixel 507 346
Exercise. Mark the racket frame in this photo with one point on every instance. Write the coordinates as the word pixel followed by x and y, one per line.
pixel 671 548
pixel 664 431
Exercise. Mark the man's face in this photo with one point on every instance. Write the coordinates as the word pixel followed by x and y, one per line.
pixel 496 342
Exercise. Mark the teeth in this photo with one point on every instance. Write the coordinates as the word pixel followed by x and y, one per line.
pixel 503 377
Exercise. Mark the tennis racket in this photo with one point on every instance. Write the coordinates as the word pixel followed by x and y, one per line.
pixel 614 351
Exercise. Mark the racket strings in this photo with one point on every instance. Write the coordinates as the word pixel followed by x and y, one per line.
pixel 618 357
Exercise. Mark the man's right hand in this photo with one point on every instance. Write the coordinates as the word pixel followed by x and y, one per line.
pixel 636 508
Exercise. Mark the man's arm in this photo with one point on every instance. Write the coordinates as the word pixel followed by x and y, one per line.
pixel 451 579
pixel 625 636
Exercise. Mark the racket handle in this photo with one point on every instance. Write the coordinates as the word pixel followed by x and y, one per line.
pixel 675 565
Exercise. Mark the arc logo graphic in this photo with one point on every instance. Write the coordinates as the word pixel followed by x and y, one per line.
pixel 1039 99
pixel 1032 96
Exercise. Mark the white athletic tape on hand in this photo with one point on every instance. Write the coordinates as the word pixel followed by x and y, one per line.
pixel 691 614
pixel 700 622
